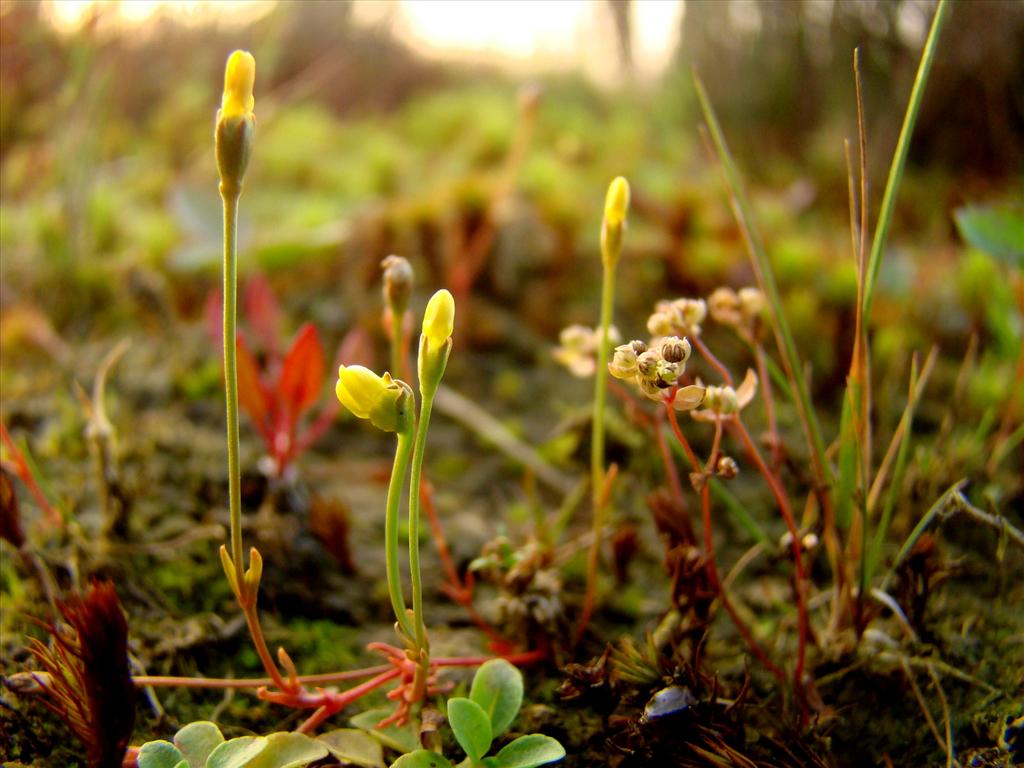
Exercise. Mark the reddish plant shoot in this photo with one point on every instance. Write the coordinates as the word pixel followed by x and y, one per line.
pixel 278 387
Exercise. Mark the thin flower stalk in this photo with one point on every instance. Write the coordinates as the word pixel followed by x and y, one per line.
pixel 612 230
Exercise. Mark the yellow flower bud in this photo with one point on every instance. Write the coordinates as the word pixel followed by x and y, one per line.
pixel 359 388
pixel 616 203
pixel 381 399
pixel 439 318
pixel 239 78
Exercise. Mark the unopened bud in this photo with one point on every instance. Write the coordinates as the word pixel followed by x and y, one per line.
pixel 397 284
pixel 616 202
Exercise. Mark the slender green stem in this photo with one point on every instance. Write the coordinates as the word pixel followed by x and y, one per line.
pixel 600 389
pixel 426 406
pixel 230 197
pixel 597 473
pixel 391 531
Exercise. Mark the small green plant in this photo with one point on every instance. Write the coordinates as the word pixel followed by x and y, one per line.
pixel 202 745
pixel 494 700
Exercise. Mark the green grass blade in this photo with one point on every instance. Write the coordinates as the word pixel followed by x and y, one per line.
pixel 762 266
pixel 899 159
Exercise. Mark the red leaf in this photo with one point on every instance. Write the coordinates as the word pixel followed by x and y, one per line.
pixel 263 315
pixel 252 394
pixel 302 374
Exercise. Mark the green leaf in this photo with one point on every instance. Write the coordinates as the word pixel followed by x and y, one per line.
pixel 354 747
pixel 197 740
pixel 998 231
pixel 530 751
pixel 237 753
pixel 400 739
pixel 471 725
pixel 159 754
pixel 289 750
pixel 422 758
pixel 498 689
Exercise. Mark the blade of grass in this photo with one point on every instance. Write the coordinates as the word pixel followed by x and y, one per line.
pixel 899 159
pixel 939 507
pixel 766 279
pixel 917 382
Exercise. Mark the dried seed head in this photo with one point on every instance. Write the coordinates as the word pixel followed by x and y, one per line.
pixel 647 365
pixel 668 373
pixel 623 364
pixel 724 306
pixel 693 312
pixel 675 350
pixel 727 467
pixel 721 400
pixel 578 346
pixel 660 324
pixel 752 303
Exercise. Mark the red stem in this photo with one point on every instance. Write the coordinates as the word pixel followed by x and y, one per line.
pixel 705 506
pixel 799 586
pixel 712 360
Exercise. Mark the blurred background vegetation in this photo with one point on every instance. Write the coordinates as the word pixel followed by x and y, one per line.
pixel 486 137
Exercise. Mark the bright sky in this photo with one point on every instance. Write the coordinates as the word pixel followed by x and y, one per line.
pixel 530 33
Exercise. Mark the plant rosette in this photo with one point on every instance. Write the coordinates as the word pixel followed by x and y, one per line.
pixel 493 703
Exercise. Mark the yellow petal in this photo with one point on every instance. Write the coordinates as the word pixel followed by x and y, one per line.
pixel 616 203
pixel 359 389
pixel 439 318
pixel 239 78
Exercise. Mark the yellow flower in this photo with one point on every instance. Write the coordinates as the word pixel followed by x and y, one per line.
pixel 359 389
pixel 239 78
pixel 439 318
pixel 380 399
pixel 616 203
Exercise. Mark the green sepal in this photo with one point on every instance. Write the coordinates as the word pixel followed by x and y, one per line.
pixel 233 140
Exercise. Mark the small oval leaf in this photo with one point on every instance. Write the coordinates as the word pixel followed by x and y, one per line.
pixel 159 754
pixel 354 747
pixel 422 758
pixel 236 753
pixel 471 725
pixel 197 740
pixel 530 751
pixel 289 750
pixel 498 689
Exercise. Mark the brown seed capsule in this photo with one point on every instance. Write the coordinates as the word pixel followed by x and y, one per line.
pixel 727 467
pixel 675 350
pixel 639 347
pixel 647 365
